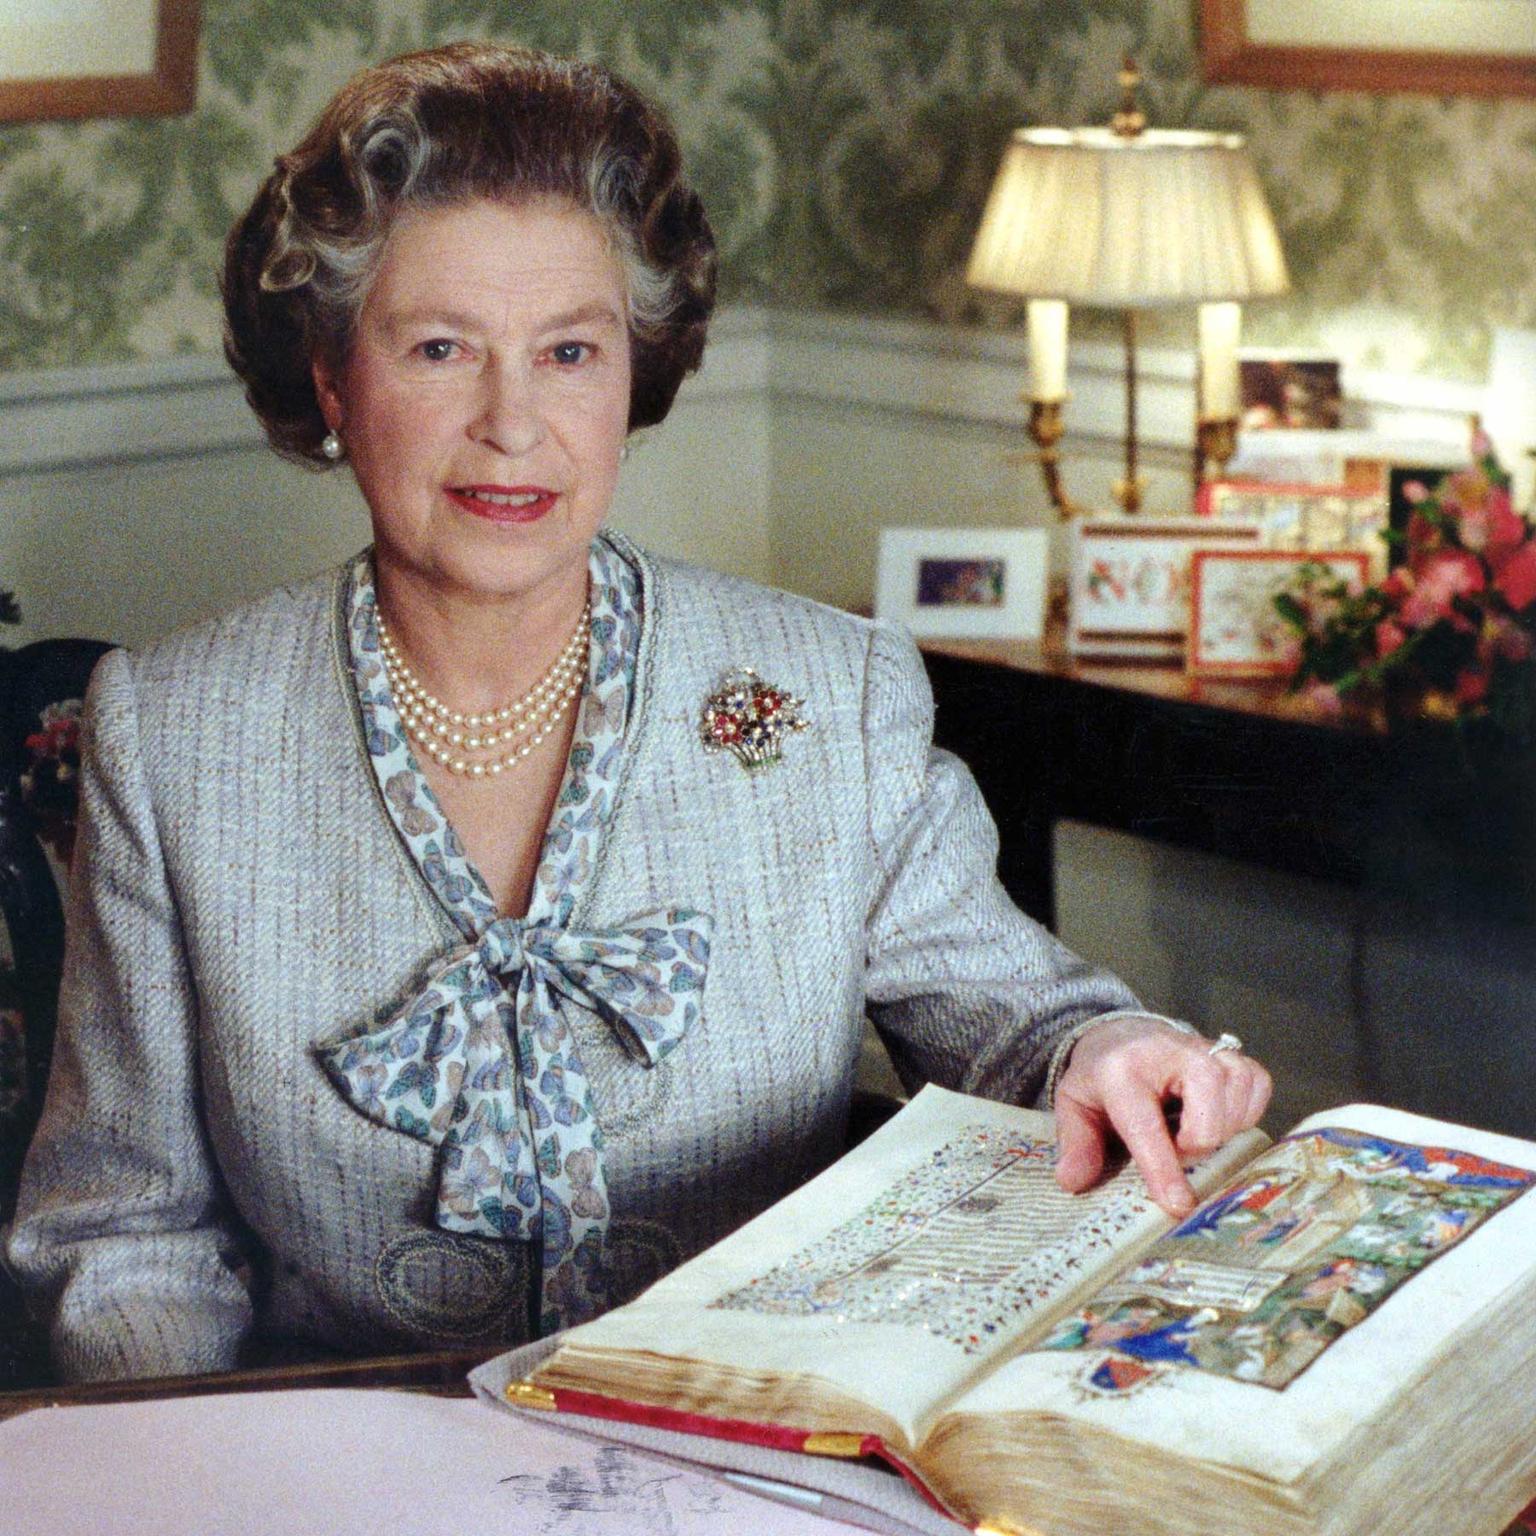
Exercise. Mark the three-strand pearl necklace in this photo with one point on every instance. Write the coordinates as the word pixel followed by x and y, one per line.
pixel 470 745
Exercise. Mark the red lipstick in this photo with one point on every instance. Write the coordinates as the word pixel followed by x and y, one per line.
pixel 503 503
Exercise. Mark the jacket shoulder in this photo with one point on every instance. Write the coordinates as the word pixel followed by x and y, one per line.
pixel 705 601
pixel 246 646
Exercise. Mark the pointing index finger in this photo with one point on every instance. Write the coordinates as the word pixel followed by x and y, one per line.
pixel 1140 1125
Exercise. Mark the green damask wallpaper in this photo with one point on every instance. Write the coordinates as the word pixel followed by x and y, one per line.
pixel 844 147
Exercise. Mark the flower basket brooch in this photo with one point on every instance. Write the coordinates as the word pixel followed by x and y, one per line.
pixel 750 719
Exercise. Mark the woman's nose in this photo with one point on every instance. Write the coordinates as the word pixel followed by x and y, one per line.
pixel 509 419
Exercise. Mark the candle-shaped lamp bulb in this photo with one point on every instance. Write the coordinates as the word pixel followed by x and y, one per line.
pixel 1220 327
pixel 1047 349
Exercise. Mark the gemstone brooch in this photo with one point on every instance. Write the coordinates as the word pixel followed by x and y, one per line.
pixel 750 718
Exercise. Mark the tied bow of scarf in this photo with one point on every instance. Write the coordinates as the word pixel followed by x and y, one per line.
pixel 484 1064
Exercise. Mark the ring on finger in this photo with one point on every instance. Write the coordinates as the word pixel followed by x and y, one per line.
pixel 1225 1042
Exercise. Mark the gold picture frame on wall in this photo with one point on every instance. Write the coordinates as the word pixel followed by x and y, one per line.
pixel 1443 47
pixel 97 58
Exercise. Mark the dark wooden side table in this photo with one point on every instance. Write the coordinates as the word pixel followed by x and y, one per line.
pixel 1435 828
pixel 1239 769
pixel 442 1373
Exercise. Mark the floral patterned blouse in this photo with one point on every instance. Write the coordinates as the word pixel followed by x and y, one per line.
pixel 483 1063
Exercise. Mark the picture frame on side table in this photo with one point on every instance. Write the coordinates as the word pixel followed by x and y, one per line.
pixel 964 583
pixel 1288 391
pixel 1234 629
pixel 1130 582
pixel 1304 517
pixel 1348 456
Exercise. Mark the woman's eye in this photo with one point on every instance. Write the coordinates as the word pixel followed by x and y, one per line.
pixel 438 350
pixel 568 352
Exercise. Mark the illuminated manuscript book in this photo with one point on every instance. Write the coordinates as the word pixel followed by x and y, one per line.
pixel 1341 1339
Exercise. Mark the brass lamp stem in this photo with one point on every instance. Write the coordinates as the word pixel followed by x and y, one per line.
pixel 1215 443
pixel 1046 428
pixel 1130 122
pixel 1128 491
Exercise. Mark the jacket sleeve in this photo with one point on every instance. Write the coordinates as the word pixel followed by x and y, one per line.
pixel 120 1239
pixel 965 990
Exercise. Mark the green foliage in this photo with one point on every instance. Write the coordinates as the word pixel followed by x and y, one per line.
pixel 1451 631
pixel 666 34
pixel 913 191
pixel 801 101
pixel 79 262
pixel 247 41
pixel 1027 33
pixel 62 281
pixel 725 166
pixel 1388 228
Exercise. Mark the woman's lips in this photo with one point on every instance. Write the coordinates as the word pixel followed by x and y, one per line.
pixel 503 503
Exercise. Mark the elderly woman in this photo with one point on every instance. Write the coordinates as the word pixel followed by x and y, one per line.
pixel 461 939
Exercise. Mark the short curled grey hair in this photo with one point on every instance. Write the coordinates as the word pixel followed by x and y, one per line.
pixel 437 129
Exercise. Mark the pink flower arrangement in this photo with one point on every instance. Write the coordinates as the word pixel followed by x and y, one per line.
pixel 48 776
pixel 1452 629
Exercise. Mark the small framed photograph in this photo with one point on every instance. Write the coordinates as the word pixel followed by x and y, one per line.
pixel 964 583
pixel 1130 581
pixel 1234 630
pixel 1289 391
pixel 1305 517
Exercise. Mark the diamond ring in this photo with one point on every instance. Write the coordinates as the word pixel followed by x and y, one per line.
pixel 1226 1042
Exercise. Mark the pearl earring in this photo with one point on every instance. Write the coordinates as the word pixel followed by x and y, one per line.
pixel 330 446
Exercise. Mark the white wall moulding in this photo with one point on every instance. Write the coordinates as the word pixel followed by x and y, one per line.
pixel 179 407
pixel 122 413
pixel 738 360
pixel 129 413
pixel 920 370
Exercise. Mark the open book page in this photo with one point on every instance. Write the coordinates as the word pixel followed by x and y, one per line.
pixel 902 1272
pixel 1297 1306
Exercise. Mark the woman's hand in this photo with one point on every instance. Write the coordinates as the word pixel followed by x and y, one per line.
pixel 1121 1078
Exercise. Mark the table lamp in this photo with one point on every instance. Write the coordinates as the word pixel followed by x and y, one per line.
pixel 1129 218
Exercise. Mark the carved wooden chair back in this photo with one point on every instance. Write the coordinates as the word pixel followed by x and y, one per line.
pixel 41 688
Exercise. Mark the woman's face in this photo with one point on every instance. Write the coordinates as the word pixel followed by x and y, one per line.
pixel 485 400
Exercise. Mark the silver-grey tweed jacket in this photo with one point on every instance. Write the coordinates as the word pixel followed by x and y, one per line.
pixel 197 1189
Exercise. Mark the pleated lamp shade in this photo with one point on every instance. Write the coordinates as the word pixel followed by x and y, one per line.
pixel 1167 217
